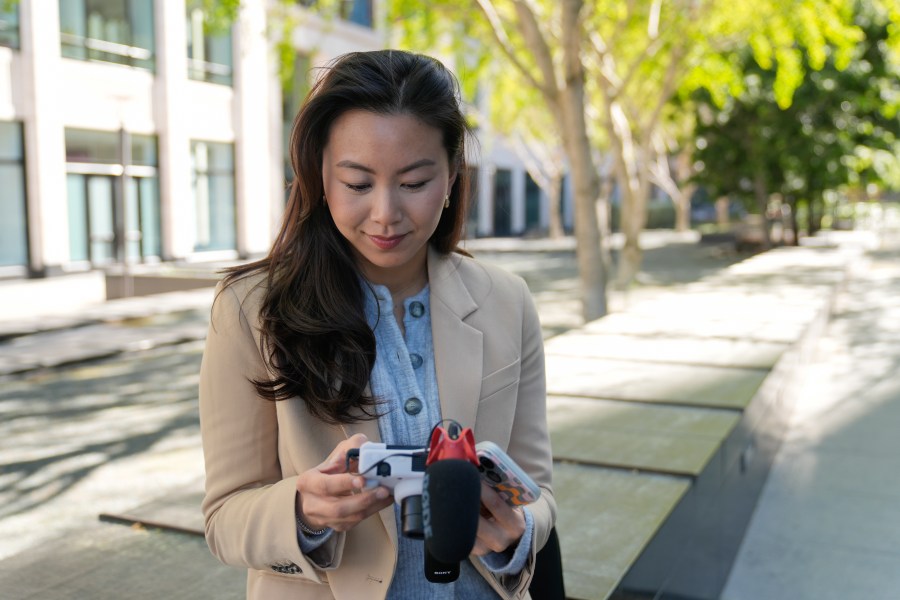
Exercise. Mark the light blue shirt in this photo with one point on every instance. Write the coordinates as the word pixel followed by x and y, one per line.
pixel 405 381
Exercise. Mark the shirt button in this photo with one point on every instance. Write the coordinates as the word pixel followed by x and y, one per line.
pixel 416 360
pixel 413 406
pixel 417 309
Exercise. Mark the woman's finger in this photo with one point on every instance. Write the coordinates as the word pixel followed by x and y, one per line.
pixel 344 513
pixel 316 483
pixel 337 460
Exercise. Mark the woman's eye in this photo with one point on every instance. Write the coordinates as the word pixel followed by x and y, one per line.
pixel 357 187
pixel 415 186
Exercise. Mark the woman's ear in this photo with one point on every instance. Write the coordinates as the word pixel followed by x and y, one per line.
pixel 451 181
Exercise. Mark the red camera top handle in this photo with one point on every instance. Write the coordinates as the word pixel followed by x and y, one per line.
pixel 452 442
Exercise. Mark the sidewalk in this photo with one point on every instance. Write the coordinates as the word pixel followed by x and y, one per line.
pixel 665 418
pixel 827 525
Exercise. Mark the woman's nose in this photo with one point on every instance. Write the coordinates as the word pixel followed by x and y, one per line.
pixel 385 208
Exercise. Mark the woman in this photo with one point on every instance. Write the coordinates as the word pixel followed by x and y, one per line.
pixel 365 322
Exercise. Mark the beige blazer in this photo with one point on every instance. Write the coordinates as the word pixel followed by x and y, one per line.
pixel 490 372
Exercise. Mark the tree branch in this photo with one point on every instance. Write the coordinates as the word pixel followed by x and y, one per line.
pixel 536 40
pixel 612 84
pixel 502 39
pixel 668 88
pixel 661 174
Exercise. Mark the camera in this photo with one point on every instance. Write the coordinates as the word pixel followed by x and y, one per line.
pixel 437 488
pixel 400 469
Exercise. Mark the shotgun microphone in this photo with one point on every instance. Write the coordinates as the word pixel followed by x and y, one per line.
pixel 440 572
pixel 451 504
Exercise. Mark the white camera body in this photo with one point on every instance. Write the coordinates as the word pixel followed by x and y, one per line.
pixel 398 468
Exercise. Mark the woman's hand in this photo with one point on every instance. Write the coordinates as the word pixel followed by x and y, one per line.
pixel 499 526
pixel 329 496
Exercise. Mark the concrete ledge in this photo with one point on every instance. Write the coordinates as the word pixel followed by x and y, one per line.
pixel 124 286
pixel 112 561
pixel 665 420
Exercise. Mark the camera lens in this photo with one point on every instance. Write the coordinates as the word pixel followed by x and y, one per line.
pixel 486 462
pixel 492 475
pixel 411 524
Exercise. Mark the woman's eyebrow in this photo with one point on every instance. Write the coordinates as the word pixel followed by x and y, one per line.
pixel 349 164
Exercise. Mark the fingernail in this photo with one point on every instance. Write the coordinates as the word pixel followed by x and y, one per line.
pixel 381 493
pixel 357 482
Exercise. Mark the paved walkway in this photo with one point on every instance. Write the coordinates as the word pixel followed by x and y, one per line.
pixel 827 525
pixel 665 418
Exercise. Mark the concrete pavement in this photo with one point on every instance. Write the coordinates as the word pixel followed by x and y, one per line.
pixel 665 418
pixel 827 525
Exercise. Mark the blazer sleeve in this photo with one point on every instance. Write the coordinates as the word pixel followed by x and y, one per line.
pixel 249 507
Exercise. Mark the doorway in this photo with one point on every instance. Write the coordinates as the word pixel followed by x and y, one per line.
pixel 94 211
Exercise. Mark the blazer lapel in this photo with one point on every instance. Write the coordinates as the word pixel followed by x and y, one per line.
pixel 457 345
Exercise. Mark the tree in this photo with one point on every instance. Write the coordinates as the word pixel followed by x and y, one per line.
pixel 622 62
pixel 645 53
pixel 840 131
pixel 543 41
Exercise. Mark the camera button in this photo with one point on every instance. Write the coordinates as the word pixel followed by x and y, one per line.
pixel 413 406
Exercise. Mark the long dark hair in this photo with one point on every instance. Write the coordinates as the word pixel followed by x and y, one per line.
pixel 314 333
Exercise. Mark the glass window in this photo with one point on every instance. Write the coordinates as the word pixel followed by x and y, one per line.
pixel 532 203
pixel 118 31
pixel 101 218
pixel 142 196
pixel 143 150
pixel 214 204
pixel 355 11
pixel 102 147
pixel 9 24
pixel 503 202
pixel 78 228
pixel 96 202
pixel 92 146
pixel 13 225
pixel 209 52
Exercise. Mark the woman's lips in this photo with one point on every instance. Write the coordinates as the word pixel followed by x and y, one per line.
pixel 387 243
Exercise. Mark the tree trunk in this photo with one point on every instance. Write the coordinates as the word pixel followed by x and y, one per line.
pixel 591 267
pixel 685 193
pixel 795 238
pixel 762 204
pixel 634 219
pixel 814 218
pixel 555 196
pixel 633 183
pixel 604 221
pixel 586 182
pixel 722 218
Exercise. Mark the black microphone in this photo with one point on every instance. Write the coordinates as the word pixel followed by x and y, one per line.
pixel 451 503
pixel 440 572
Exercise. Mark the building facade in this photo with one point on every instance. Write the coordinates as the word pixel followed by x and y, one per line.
pixel 133 131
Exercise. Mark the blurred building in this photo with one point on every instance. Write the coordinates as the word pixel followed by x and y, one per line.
pixel 132 131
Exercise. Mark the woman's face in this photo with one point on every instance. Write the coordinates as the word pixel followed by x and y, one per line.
pixel 385 179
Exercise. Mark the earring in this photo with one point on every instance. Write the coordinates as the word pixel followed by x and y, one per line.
pixel 447 201
pixel 324 200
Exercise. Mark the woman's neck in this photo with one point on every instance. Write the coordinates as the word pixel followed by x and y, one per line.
pixel 401 282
